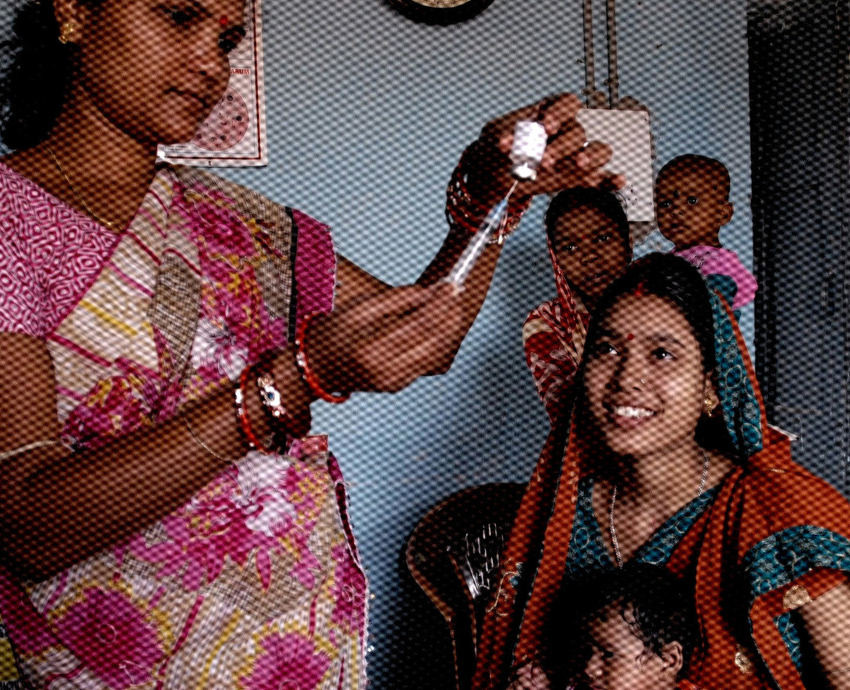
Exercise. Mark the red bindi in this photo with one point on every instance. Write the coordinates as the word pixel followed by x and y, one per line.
pixel 630 337
pixel 640 290
pixel 223 20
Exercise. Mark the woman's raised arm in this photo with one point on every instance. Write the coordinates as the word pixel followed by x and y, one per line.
pixel 567 162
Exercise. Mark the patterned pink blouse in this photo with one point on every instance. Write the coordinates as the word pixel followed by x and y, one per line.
pixel 256 582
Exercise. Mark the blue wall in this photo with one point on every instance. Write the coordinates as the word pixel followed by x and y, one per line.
pixel 367 115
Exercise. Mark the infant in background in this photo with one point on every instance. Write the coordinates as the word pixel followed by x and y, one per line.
pixel 627 629
pixel 692 204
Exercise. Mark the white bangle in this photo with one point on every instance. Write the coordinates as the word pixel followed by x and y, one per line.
pixel 30 446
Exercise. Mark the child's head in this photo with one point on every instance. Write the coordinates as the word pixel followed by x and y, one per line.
pixel 692 201
pixel 589 235
pixel 635 628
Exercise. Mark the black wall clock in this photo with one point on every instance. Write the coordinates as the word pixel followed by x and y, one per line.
pixel 440 12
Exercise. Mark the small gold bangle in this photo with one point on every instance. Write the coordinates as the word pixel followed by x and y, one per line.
pixel 201 443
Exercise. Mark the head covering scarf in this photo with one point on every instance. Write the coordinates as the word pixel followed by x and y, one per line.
pixel 553 338
pixel 554 333
pixel 762 549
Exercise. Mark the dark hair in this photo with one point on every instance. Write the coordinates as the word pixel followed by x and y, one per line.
pixel 712 165
pixel 661 611
pixel 34 75
pixel 589 197
pixel 673 279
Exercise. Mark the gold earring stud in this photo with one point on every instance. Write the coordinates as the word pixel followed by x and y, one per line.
pixel 709 404
pixel 66 33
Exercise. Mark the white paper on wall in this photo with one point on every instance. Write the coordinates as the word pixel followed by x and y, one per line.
pixel 627 132
pixel 235 132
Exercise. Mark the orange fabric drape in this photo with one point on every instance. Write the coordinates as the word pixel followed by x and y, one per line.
pixel 767 494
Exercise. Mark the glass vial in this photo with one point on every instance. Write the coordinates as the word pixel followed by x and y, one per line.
pixel 527 150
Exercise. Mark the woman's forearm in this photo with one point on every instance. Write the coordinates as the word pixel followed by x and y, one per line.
pixel 62 507
pixel 477 284
pixel 354 285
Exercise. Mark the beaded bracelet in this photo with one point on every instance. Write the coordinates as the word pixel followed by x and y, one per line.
pixel 272 400
pixel 304 365
pixel 270 396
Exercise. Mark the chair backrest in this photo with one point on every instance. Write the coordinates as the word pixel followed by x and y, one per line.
pixel 453 554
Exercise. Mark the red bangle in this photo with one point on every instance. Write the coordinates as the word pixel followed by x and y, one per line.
pixel 304 365
pixel 466 213
pixel 242 414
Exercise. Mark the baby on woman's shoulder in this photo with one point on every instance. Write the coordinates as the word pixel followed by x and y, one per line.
pixel 692 204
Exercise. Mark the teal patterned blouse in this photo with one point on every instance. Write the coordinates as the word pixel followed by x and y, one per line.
pixel 588 553
pixel 772 563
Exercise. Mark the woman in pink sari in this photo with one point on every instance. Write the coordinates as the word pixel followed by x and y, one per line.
pixel 166 520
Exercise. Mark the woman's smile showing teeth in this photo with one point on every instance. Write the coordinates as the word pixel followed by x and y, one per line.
pixel 632 412
pixel 628 416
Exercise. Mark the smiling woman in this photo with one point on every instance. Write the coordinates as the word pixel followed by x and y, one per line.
pixel 667 459
pixel 165 517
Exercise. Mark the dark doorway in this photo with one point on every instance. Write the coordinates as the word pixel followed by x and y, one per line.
pixel 799 120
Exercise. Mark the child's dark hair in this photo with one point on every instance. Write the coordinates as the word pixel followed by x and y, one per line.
pixel 602 200
pixel 660 611
pixel 651 600
pixel 34 75
pixel 711 165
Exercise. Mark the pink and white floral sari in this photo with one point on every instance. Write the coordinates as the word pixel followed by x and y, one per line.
pixel 255 583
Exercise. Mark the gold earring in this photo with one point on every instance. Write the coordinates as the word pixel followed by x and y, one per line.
pixel 709 405
pixel 66 33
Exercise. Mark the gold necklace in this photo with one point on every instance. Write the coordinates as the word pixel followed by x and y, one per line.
pixel 99 219
pixel 613 530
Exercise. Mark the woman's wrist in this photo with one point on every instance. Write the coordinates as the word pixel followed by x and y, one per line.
pixel 296 395
pixel 255 425
pixel 272 402
pixel 469 200
pixel 323 375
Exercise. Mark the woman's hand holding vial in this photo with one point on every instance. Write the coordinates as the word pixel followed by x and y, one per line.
pixel 542 151
pixel 568 160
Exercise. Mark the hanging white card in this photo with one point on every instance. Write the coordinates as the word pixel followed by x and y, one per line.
pixel 627 132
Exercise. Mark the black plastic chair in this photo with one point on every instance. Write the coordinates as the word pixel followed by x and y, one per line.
pixel 453 555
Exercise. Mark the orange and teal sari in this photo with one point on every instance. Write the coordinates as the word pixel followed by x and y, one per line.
pixel 767 540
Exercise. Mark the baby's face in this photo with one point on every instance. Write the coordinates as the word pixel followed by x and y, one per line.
pixel 620 661
pixel 691 205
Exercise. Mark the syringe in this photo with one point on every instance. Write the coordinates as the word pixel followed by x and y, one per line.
pixel 494 220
